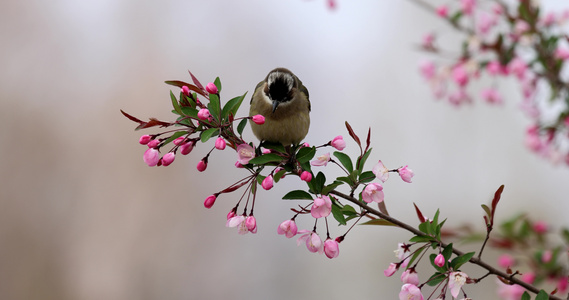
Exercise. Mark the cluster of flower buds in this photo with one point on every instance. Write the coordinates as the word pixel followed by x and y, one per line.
pixel 508 41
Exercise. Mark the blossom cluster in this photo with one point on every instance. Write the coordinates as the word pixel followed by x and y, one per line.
pixel 507 40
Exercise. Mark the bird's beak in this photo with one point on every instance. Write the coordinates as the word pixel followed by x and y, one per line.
pixel 275 104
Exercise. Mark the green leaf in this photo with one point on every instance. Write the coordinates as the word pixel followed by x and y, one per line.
pixel 217 83
pixel 266 158
pixel 175 103
pixel 337 213
pixel 361 161
pixel 232 106
pixel 366 177
pixel 542 295
pixel 415 256
pixel 279 175
pixel 436 279
pixel 241 126
pixel 349 210
pixel 346 180
pixel 190 112
pixel 420 239
pixel 174 136
pixel 447 252
pixel 207 134
pixel 426 227
pixel 380 222
pixel 214 106
pixel 305 154
pixel 526 296
pixel 454 19
pixel 487 210
pixel 344 160
pixel 297 195
pixel 274 146
pixel 330 187
pixel 436 218
pixel 457 262
pixel 318 182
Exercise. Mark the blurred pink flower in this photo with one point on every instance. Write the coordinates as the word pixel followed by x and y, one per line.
pixel 491 96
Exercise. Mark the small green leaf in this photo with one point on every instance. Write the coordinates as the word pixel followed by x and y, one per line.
pixel 217 83
pixel 274 146
pixel 190 112
pixel 542 295
pixel 415 256
pixel 447 252
pixel 344 160
pixel 346 180
pixel 318 182
pixel 330 187
pixel 305 154
pixel 279 175
pixel 214 106
pixel 241 126
pixel 175 103
pixel 232 106
pixel 420 239
pixel 337 213
pixel 457 262
pixel 349 210
pixel 207 134
pixel 297 195
pixel 526 296
pixel 436 279
pixel 266 158
pixel 366 177
pixel 174 136
pixel 361 161
pixel 380 222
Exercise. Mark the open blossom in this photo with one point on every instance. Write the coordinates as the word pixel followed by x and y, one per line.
pixel 460 75
pixel 456 281
pixel 321 160
pixel 410 276
pixel 331 248
pixel 287 228
pixel 518 67
pixel 410 292
pixel 209 201
pixel 373 192
pixel 211 88
pixel 561 53
pixel 245 153
pixel 258 119
pixel 467 6
pixel 428 69
pixel 322 207
pixel 151 157
pixel 491 95
pixel 312 241
pixel 220 143
pixel 168 159
pixel 267 183
pixel 380 171
pixel 338 143
pixel 406 174
pixel 239 222
pixel 390 270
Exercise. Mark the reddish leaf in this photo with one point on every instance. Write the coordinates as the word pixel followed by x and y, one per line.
pixel 180 84
pixel 383 208
pixel 495 201
pixel 368 140
pixel 234 187
pixel 153 122
pixel 353 134
pixel 419 214
pixel 132 118
pixel 196 81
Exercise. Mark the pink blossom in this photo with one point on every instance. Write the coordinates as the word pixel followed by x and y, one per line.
pixel 245 152
pixel 202 165
pixel 460 75
pixel 380 171
pixel 220 143
pixel 331 4
pixel 390 270
pixel 428 41
pixel 312 241
pixel 540 227
pixel 145 139
pixel 331 248
pixel 400 251
pixel 506 261
pixel 306 176
pixel 151 157
pixel 440 260
pixel 209 201
pixel 211 88
pixel 288 228
pixel 266 151
pixel 561 53
pixel 406 174
pixel 258 119
pixel 428 69
pixel 442 11
pixel 546 256
pixel 485 22
pixel 338 143
pixel 509 291
pixel 153 143
pixel 562 284
pixel 528 277
pixel 456 281
pixel 491 95
pixel 410 276
pixel 251 224
pixel 186 90
pixel 186 148
pixel 548 19
pixel 267 183
pixel 410 292
pixel 203 114
pixel 521 27
pixel 168 159
pixel 322 207
pixel 467 6
pixel 239 222
pixel 373 192
pixel 497 9
pixel 496 68
pixel 321 160
pixel 518 67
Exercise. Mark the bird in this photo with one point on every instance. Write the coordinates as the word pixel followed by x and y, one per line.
pixel 284 102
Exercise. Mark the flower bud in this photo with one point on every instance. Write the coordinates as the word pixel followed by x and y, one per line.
pixel 186 90
pixel 287 228
pixel 338 143
pixel 179 141
pixel 168 159
pixel 440 260
pixel 410 276
pixel 202 165
pixel 220 143
pixel 209 201
pixel 406 174
pixel 151 157
pixel 331 248
pixel 306 176
pixel 258 119
pixel 153 143
pixel 145 139
pixel 251 223
pixel 267 183
pixel 231 214
pixel 211 88
pixel 390 270
pixel 203 114
pixel 186 148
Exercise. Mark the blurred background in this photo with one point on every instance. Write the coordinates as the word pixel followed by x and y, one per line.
pixel 82 216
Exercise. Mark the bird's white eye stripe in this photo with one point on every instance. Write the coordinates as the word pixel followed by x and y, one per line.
pixel 285 76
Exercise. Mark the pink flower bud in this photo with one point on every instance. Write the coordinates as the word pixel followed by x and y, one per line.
pixel 440 260
pixel 267 183
pixel 186 90
pixel 546 256
pixel 390 270
pixel 145 139
pixel 209 201
pixel 151 157
pixel 168 159
pixel 238 164
pixel 211 88
pixel 540 227
pixel 153 143
pixel 203 114
pixel 410 276
pixel 220 143
pixel 442 11
pixel 506 261
pixel 338 143
pixel 251 223
pixel 288 228
pixel 305 145
pixel 306 176
pixel 231 214
pixel 331 248
pixel 258 119
pixel 406 174
pixel 186 148
pixel 202 165
pixel 266 151
pixel 179 141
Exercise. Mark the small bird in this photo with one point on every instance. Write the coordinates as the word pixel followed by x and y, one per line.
pixel 283 101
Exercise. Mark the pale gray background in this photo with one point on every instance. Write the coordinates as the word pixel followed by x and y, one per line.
pixel 82 217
